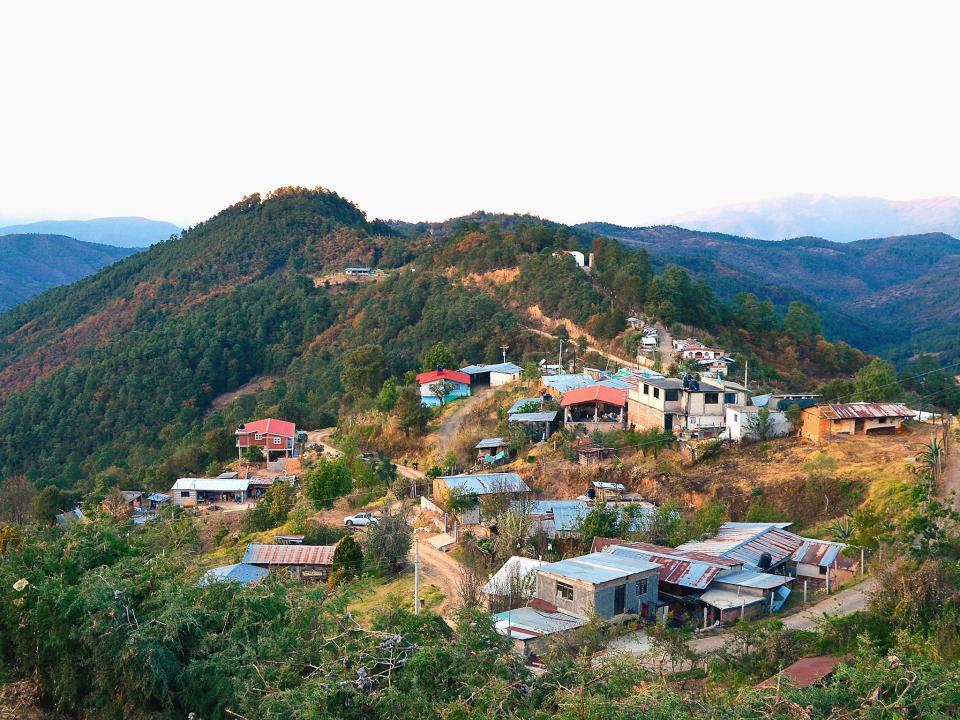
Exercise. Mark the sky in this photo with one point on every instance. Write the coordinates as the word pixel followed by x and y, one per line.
pixel 624 112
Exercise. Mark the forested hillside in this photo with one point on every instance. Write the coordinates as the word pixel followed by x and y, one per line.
pixel 111 380
pixel 32 263
pixel 895 295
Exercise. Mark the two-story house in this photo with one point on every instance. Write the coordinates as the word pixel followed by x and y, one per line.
pixel 276 438
pixel 687 405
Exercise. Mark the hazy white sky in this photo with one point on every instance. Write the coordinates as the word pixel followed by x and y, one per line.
pixel 626 112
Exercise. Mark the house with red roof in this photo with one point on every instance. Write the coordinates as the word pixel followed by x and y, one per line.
pixel 595 405
pixel 277 438
pixel 440 386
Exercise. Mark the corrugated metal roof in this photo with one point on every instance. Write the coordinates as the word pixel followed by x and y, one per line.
pixel 547 416
pixel 747 542
pixel 158 497
pixel 289 554
pixel 490 443
pixel 854 411
pixel 486 483
pixel 508 368
pixel 599 543
pixel 565 383
pixel 758 580
pixel 594 393
pixel 212 484
pixel 515 408
pixel 567 514
pixel 598 568
pixel 674 569
pixel 526 623
pixel 600 485
pixel 726 599
pixel 806 671
pixel 523 568
pixel 273 426
pixel 823 553
pixel 239 573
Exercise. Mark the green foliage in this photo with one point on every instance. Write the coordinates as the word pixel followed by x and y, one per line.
pixel 388 542
pixel 253 454
pixel 801 323
pixel 760 424
pixel 412 415
pixel 272 509
pixel 387 399
pixel 877 382
pixel 364 370
pixel 438 355
pixel 327 480
pixel 347 558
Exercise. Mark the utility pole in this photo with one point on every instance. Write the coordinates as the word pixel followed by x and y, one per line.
pixel 746 371
pixel 503 349
pixel 560 359
pixel 416 578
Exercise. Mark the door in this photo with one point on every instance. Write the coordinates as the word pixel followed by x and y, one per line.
pixel 858 426
pixel 619 599
pixel 668 423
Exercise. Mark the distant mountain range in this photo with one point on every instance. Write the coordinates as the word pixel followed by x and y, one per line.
pixel 896 295
pixel 842 219
pixel 32 263
pixel 128 232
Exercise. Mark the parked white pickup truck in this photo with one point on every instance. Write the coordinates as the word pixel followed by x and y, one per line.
pixel 360 520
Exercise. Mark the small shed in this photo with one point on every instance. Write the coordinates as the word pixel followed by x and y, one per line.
pixel 540 425
pixel 829 421
pixel 307 562
pixel 593 454
pixel 241 573
pixel 492 375
pixel 806 671
pixel 491 451
pixel 606 491
pixel 513 585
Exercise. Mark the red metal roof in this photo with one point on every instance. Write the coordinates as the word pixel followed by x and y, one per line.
pixel 272 426
pixel 855 411
pixel 599 543
pixel 434 375
pixel 593 393
pixel 806 671
pixel 289 554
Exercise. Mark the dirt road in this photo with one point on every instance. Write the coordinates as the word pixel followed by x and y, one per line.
pixel 950 482
pixel 590 348
pixel 438 568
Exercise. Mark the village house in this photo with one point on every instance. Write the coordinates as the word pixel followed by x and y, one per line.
pixel 133 501
pixel 598 407
pixel 358 271
pixel 700 352
pixel 830 421
pixel 478 486
pixel 276 438
pixel 690 406
pixel 306 562
pixel 513 585
pixel 155 501
pixel 454 383
pixel 556 519
pixel 742 423
pixel 764 547
pixel 491 451
pixel 557 385
pixel 540 425
pixel 822 563
pixel 600 583
pixel 187 492
pixel 492 375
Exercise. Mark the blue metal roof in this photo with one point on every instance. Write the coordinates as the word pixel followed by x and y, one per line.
pixel 158 497
pixel 508 368
pixel 599 567
pixel 548 416
pixel 515 408
pixel 567 514
pixel 241 573
pixel 490 443
pixel 527 623
pixel 486 483
pixel 566 383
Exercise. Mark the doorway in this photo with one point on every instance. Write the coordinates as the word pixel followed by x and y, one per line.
pixel 619 599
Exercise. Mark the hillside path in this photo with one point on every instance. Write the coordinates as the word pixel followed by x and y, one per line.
pixel 608 355
pixel 845 602
pixel 450 426
pixel 322 438
pixel 950 482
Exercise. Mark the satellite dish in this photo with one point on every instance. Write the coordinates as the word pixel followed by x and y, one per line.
pixel 241 426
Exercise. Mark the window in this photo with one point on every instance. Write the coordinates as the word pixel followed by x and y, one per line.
pixel 184 493
pixel 881 420
pixel 711 398
pixel 730 398
pixel 646 389
pixel 641 587
pixel 671 395
pixel 564 592
pixel 823 569
pixel 277 441
pixel 656 392
pixel 258 436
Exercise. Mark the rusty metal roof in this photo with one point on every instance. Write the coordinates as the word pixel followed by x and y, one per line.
pixel 289 554
pixel 675 568
pixel 823 553
pixel 747 542
pixel 807 671
pixel 861 410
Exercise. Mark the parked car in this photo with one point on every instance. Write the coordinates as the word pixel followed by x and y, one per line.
pixel 360 520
